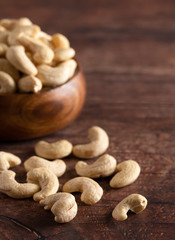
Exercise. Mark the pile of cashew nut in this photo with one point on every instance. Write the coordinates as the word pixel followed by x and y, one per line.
pixel 42 176
pixel 31 59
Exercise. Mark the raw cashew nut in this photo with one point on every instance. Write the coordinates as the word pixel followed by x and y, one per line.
pixel 60 41
pixel 91 190
pixel 134 202
pixel 18 58
pixel 29 84
pixel 58 166
pixel 55 76
pixel 11 23
pixel 54 150
pixel 102 167
pixel 42 53
pixel 46 179
pixel 7 83
pixel 8 160
pixel 6 66
pixel 3 49
pixel 128 172
pixel 62 205
pixel 63 54
pixel 12 188
pixel 99 142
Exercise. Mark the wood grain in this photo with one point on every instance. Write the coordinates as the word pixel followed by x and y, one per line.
pixel 127 51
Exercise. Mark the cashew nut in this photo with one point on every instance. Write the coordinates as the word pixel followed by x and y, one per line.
pixel 58 166
pixel 29 84
pixel 54 150
pixel 46 179
pixel 11 23
pixel 63 54
pixel 3 49
pixel 7 83
pixel 128 172
pixel 8 160
pixel 55 76
pixel 102 167
pixel 6 66
pixel 99 142
pixel 134 202
pixel 42 53
pixel 62 205
pixel 91 190
pixel 18 58
pixel 12 188
pixel 60 41
pixel 3 36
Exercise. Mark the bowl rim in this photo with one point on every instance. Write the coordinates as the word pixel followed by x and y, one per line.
pixel 77 70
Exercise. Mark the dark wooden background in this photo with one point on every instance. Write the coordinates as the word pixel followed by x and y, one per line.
pixel 127 52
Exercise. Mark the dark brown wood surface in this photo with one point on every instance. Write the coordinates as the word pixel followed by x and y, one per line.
pixel 127 51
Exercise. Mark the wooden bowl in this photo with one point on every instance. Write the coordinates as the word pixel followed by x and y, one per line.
pixel 25 116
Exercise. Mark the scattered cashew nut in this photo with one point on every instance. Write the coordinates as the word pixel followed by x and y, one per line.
pixel 134 202
pixel 7 83
pixel 99 142
pixel 29 84
pixel 62 205
pixel 128 172
pixel 18 58
pixel 12 188
pixel 58 166
pixel 102 167
pixel 54 150
pixel 46 179
pixel 8 160
pixel 91 190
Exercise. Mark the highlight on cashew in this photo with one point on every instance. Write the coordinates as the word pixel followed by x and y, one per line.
pixel 54 150
pixel 102 167
pixel 62 205
pixel 8 160
pixel 29 84
pixel 127 172
pixel 46 179
pixel 91 190
pixel 58 167
pixel 98 144
pixel 134 202
pixel 12 188
pixel 7 83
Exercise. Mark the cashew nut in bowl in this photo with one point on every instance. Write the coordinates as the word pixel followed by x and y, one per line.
pixel 29 84
pixel 8 160
pixel 60 41
pixel 46 179
pixel 63 54
pixel 6 66
pixel 102 167
pixel 134 202
pixel 7 83
pixel 12 188
pixel 62 205
pixel 99 142
pixel 58 167
pixel 54 150
pixel 128 172
pixel 91 190
pixel 3 49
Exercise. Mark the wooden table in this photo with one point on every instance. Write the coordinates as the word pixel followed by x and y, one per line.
pixel 127 51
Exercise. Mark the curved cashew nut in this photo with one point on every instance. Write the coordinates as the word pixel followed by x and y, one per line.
pixel 64 54
pixel 60 41
pixel 11 23
pixel 46 179
pixel 128 172
pixel 29 84
pixel 99 142
pixel 8 160
pixel 55 76
pixel 54 150
pixel 18 58
pixel 12 188
pixel 3 49
pixel 62 205
pixel 7 83
pixel 134 202
pixel 42 53
pixel 102 167
pixel 58 166
pixel 6 66
pixel 91 190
